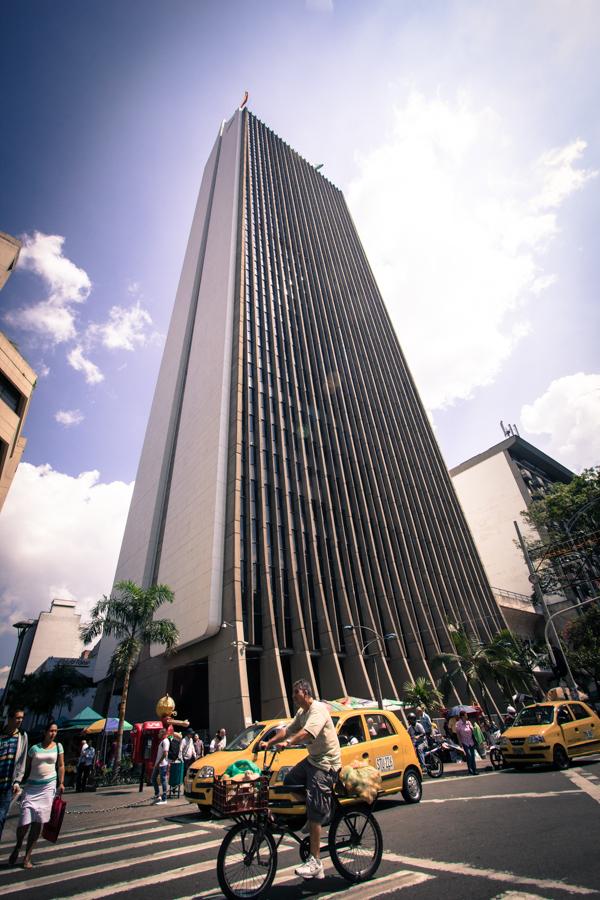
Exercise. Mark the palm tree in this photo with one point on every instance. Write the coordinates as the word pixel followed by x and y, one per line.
pixel 421 692
pixel 513 662
pixel 470 659
pixel 128 616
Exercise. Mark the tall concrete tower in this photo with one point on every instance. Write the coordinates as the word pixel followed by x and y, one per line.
pixel 290 484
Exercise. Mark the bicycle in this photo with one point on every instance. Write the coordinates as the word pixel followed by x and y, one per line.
pixel 247 858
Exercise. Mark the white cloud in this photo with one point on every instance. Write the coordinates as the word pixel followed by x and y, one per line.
pixel 66 283
pixel 124 330
pixel 43 254
pixel 69 417
pixel 569 412
pixel 42 370
pixel 45 318
pixel 59 536
pixel 455 227
pixel 80 363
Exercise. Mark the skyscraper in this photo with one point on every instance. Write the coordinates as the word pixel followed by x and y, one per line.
pixel 290 485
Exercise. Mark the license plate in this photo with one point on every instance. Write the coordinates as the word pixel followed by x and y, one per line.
pixel 384 763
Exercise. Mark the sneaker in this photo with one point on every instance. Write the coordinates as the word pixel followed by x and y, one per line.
pixel 155 799
pixel 160 802
pixel 312 868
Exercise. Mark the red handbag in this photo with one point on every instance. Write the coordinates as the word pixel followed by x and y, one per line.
pixel 51 828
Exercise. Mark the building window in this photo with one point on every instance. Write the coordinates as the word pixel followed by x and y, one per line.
pixel 10 394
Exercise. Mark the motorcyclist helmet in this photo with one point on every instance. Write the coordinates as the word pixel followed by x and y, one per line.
pixel 412 717
pixel 511 710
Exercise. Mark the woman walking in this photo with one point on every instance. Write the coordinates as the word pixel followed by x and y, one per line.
pixel 466 738
pixel 41 785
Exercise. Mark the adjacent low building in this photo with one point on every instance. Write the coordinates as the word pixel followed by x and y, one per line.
pixel 494 487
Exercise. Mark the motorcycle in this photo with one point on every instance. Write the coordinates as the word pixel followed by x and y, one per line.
pixel 433 754
pixel 496 757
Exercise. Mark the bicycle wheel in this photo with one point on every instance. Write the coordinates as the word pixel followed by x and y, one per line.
pixel 355 844
pixel 247 861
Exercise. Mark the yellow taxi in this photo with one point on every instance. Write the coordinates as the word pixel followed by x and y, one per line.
pixel 376 737
pixel 552 731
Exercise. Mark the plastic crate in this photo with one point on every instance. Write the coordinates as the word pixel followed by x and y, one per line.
pixel 233 797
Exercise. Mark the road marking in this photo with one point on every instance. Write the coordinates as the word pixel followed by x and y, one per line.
pixel 92 841
pixel 375 888
pixel 169 875
pixel 518 895
pixel 492 874
pixel 43 881
pixel 527 795
pixel 107 828
pixel 584 784
pixel 103 851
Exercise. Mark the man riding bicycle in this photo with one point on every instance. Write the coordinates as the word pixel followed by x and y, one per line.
pixel 312 726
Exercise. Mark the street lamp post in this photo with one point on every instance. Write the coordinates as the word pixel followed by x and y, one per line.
pixel 558 613
pixel 378 640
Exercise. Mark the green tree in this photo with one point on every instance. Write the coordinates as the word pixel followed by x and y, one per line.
pixel 515 660
pixel 563 501
pixel 128 616
pixel 40 692
pixel 583 643
pixel 421 692
pixel 477 663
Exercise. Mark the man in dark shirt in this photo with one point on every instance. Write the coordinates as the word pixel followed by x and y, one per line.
pixel 13 756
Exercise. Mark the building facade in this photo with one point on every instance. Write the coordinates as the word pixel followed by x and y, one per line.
pixel 17 380
pixel 290 486
pixel 494 487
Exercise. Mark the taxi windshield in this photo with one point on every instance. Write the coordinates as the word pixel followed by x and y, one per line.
pixel 535 715
pixel 245 737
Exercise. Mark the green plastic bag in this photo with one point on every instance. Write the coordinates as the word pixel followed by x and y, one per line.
pixel 240 767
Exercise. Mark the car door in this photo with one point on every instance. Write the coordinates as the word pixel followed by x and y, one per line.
pixel 385 749
pixel 569 729
pixel 586 727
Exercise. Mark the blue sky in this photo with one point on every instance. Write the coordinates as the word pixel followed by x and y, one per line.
pixel 464 135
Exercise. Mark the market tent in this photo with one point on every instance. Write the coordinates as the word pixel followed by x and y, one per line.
pixel 82 720
pixel 109 726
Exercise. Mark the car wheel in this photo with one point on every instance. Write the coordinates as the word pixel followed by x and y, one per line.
pixel 560 760
pixel 412 789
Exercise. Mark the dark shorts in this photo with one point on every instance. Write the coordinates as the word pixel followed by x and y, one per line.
pixel 319 789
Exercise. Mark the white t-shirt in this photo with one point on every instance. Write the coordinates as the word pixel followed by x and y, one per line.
pixel 163 749
pixel 323 743
pixel 218 744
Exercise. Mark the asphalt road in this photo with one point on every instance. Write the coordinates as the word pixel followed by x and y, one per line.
pixel 515 836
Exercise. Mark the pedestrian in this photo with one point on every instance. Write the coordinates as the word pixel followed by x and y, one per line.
pixel 46 778
pixel 87 755
pixel 13 757
pixel 417 734
pixel 312 727
pixel 198 746
pixel 219 742
pixel 187 751
pixel 161 768
pixel 464 733
pixel 371 726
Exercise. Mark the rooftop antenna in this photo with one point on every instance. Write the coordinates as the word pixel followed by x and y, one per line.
pixel 245 100
pixel 507 430
pixel 319 166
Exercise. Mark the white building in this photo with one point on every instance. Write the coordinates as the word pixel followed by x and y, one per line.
pixel 494 487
